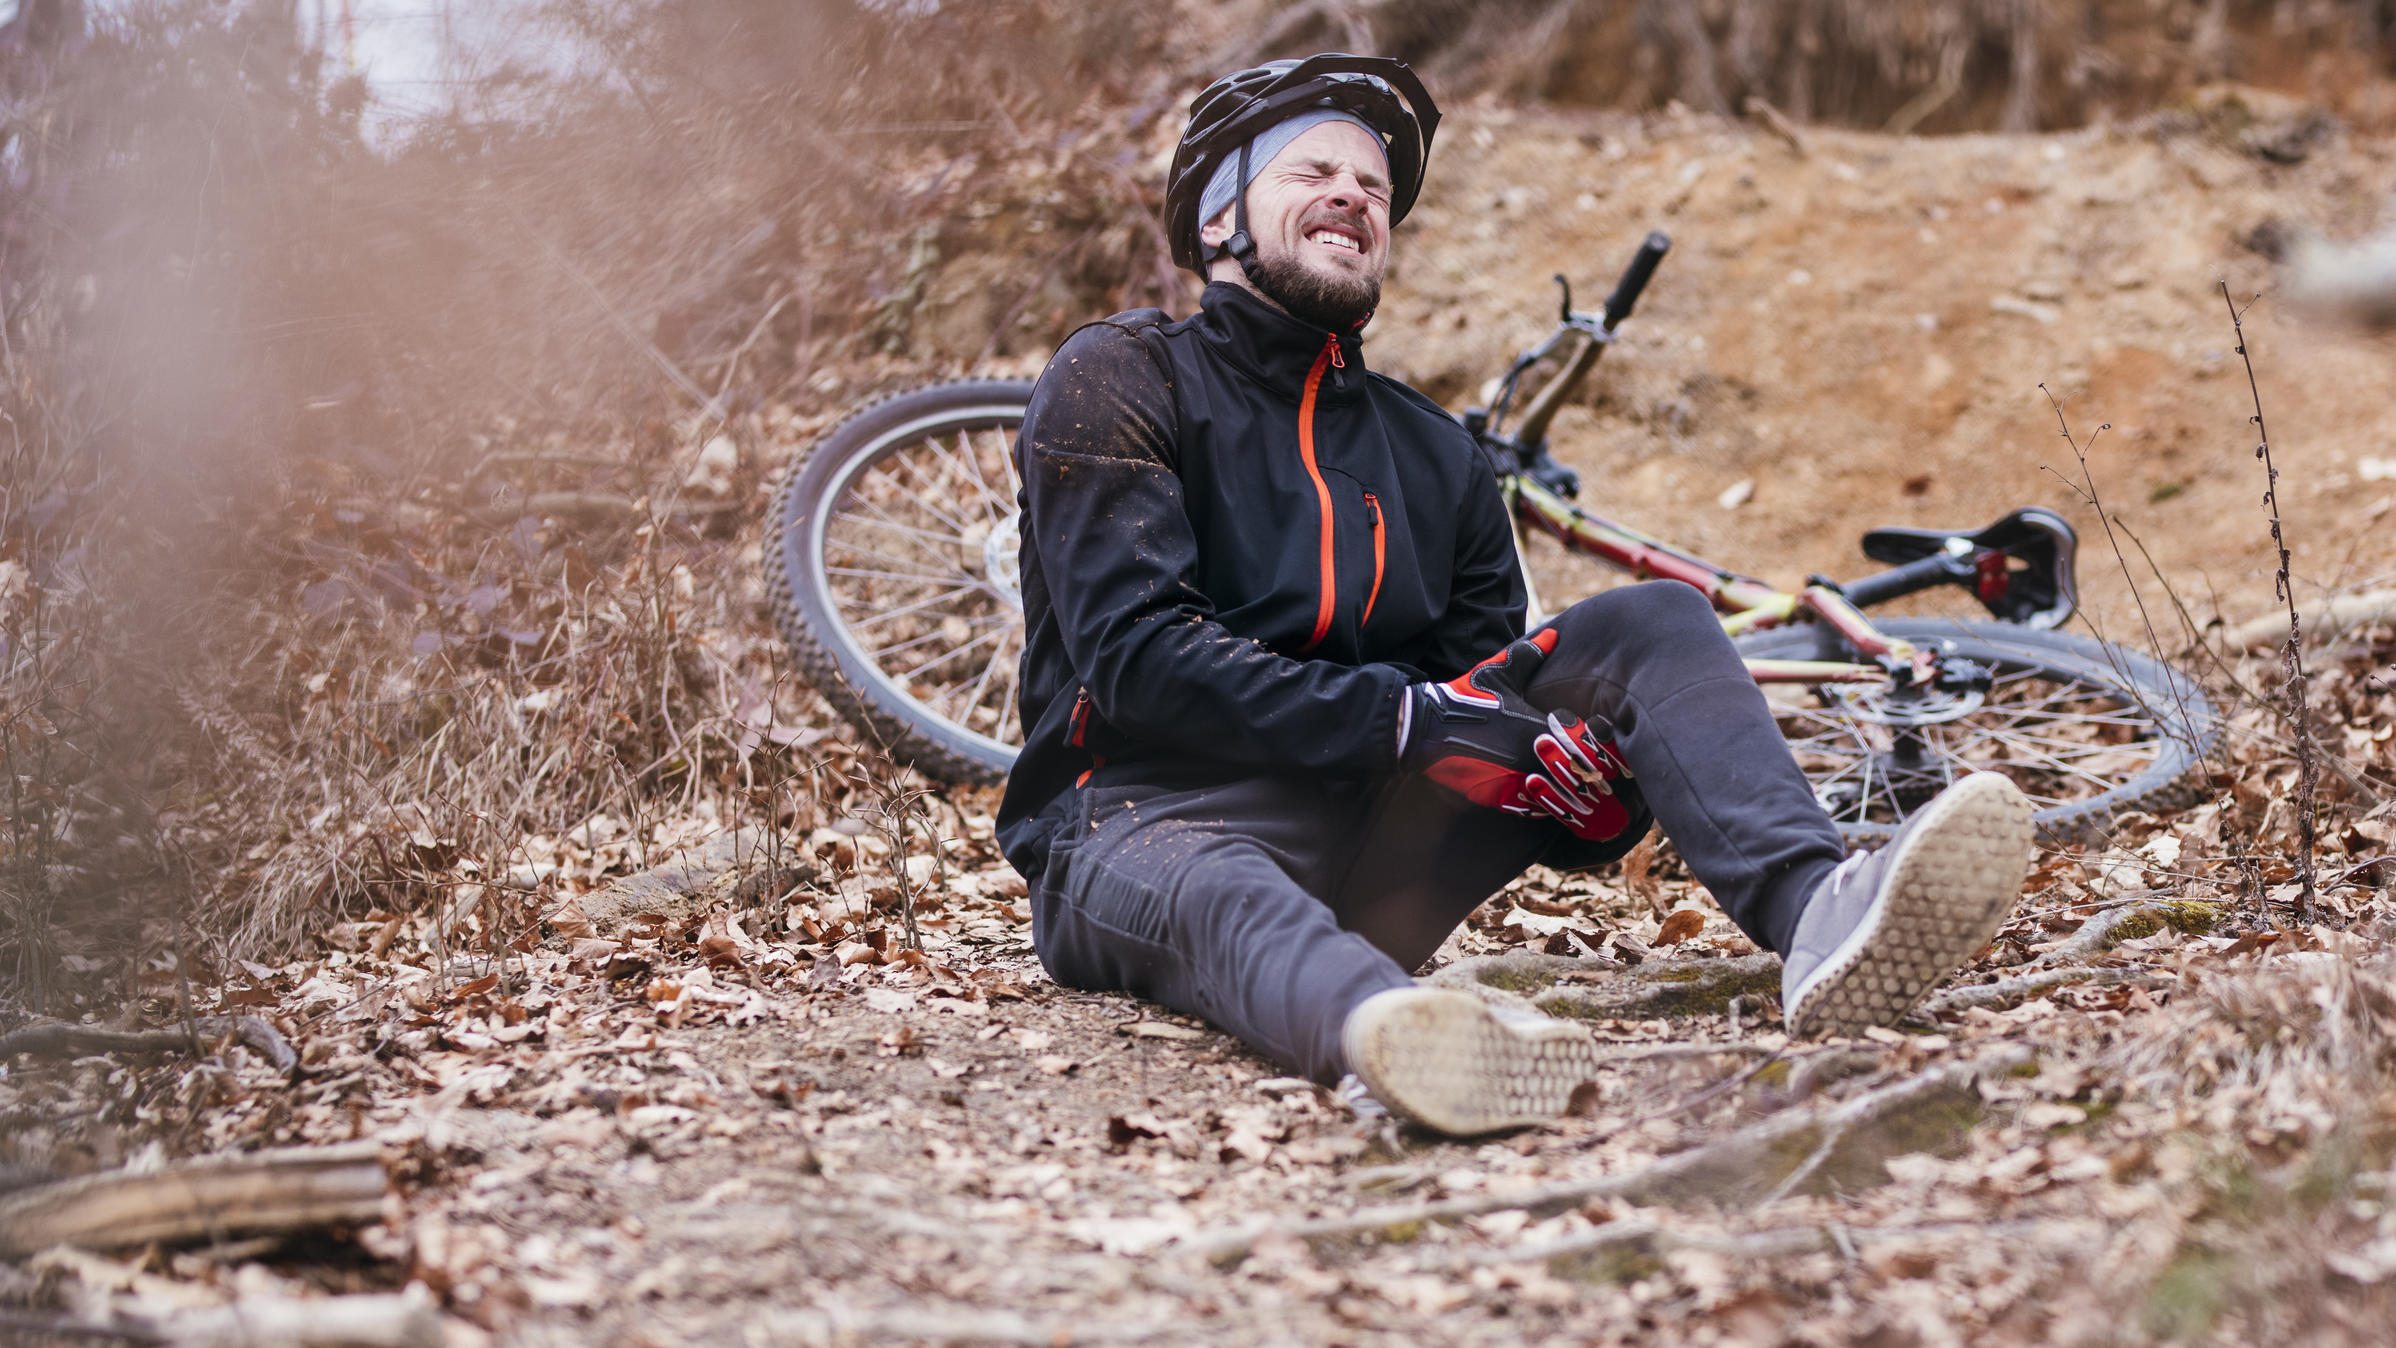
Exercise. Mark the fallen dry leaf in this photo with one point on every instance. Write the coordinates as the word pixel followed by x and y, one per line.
pixel 1680 925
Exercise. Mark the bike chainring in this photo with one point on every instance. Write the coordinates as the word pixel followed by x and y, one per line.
pixel 1960 689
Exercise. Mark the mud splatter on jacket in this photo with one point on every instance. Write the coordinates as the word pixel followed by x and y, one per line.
pixel 1239 547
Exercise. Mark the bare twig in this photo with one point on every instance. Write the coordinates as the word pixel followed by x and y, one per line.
pixel 2298 710
pixel 58 1039
pixel 1772 1243
pixel 2085 487
pixel 1774 121
pixel 2006 991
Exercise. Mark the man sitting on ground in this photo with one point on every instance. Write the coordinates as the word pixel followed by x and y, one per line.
pixel 1285 728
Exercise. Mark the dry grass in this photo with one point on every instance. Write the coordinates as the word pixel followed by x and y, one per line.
pixel 367 509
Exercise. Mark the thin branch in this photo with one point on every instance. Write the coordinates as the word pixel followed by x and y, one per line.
pixel 60 1040
pixel 2298 712
pixel 2007 991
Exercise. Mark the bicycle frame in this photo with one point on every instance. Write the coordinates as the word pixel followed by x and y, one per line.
pixel 1747 604
pixel 1537 489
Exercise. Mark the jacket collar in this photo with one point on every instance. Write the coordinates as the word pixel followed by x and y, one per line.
pixel 1269 345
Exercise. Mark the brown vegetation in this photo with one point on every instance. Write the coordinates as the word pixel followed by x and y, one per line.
pixel 377 589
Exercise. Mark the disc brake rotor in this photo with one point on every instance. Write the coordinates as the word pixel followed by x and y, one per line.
pixel 1887 704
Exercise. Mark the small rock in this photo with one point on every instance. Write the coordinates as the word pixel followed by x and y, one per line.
pixel 2009 304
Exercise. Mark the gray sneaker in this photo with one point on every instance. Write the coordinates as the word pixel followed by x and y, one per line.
pixel 1888 926
pixel 1451 1062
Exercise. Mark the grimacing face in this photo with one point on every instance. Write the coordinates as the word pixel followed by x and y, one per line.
pixel 1319 213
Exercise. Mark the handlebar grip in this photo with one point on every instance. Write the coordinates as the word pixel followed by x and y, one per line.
pixel 1634 277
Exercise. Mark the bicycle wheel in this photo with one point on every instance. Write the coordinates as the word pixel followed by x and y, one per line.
pixel 891 564
pixel 2089 731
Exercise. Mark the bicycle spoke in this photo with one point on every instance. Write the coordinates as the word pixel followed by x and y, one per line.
pixel 916 607
pixel 926 506
pixel 973 469
pixel 1014 478
pixel 989 668
pixel 846 544
pixel 938 633
pixel 1006 458
pixel 957 540
pixel 950 654
pixel 2049 763
pixel 903 577
pixel 2077 749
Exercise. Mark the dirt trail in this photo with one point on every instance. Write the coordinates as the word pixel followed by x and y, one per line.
pixel 1862 331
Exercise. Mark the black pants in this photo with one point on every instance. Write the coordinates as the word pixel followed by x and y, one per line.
pixel 1272 905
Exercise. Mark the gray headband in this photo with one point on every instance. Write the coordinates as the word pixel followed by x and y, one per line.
pixel 1268 143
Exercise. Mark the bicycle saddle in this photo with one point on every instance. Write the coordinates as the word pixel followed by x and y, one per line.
pixel 2022 563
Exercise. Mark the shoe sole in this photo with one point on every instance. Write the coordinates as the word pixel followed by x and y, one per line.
pixel 1957 875
pixel 1445 1060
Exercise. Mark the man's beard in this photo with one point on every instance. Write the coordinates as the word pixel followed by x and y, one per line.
pixel 1319 296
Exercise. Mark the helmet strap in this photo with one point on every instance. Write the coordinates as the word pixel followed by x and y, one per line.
pixel 1241 247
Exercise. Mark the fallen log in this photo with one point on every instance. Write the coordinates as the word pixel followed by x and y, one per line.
pixel 380 1320
pixel 2006 991
pixel 206 1198
pixel 1787 1153
pixel 58 1039
pixel 1586 989
pixel 727 869
pixel 2113 926
pixel 2325 622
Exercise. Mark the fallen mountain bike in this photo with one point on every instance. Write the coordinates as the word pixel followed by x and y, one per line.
pixel 891 565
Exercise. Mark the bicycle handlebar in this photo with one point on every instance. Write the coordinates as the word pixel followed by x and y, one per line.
pixel 1634 277
pixel 1533 429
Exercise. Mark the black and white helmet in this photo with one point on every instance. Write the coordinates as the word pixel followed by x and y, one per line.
pixel 1382 93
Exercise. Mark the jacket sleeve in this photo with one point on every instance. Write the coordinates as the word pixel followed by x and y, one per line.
pixel 1103 509
pixel 1486 597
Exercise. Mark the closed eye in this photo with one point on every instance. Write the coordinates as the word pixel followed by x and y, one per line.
pixel 1374 185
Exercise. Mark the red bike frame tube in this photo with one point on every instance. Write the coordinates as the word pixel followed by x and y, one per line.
pixel 1747 604
pixel 1644 557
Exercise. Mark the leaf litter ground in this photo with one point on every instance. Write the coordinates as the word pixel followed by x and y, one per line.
pixel 766 1119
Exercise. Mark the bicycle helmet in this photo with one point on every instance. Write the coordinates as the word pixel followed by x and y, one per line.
pixel 1223 119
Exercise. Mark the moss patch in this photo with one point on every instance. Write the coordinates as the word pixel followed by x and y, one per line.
pixel 2187 918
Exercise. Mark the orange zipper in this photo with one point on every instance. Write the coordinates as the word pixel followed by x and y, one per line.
pixel 1322 490
pixel 1372 507
pixel 1077 728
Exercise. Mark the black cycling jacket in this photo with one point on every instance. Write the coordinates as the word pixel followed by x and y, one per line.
pixel 1239 547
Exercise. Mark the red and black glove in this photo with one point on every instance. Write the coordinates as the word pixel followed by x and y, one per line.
pixel 1479 736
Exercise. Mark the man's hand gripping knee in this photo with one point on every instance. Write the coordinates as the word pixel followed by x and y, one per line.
pixel 1479 736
